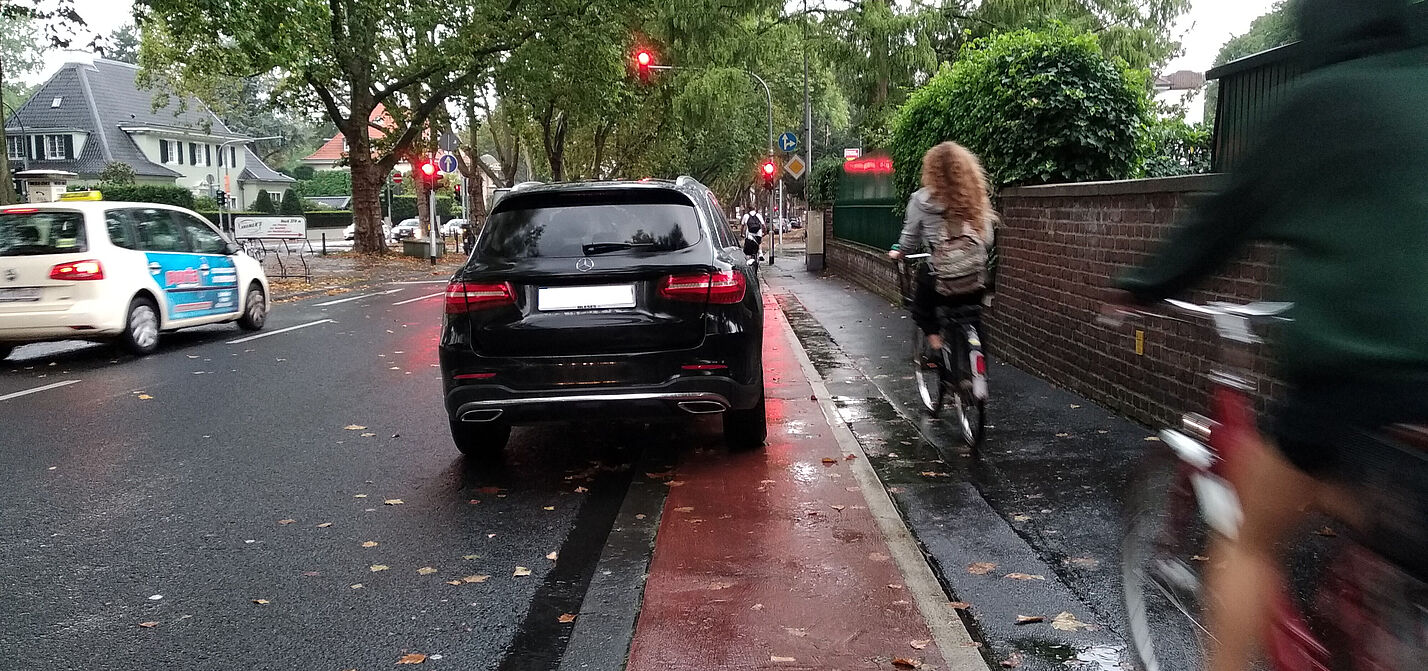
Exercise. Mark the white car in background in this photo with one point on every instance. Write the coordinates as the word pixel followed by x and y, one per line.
pixel 408 229
pixel 124 272
pixel 350 232
pixel 453 227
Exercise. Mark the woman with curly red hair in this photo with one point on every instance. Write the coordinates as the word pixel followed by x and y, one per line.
pixel 952 216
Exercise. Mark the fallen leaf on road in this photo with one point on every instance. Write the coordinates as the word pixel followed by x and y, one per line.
pixel 829 460
pixel 490 535
pixel 393 502
pixel 565 618
pixel 470 556
pixel 1021 518
pixel 368 434
pixel 1029 619
pixel 370 544
pixel 581 490
pixel 359 496
pixel 354 427
pixel 311 574
pixel 1152 439
pixel 1199 558
pixel 426 570
pixel 850 457
pixel 521 571
pixel 935 474
pixel 453 582
pixel 904 663
pixel 549 507
pixel 1014 660
pixel 981 567
pixel 639 516
pixel 1024 576
pixel 675 483
pixel 776 658
pixel 1067 622
pixel 877 556
pixel 324 525
pixel 718 585
pixel 1063 435
pixel 959 605
pixel 414 658
pixel 838 508
pixel 660 475
pixel 757 606
pixel 895 586
pixel 478 578
pixel 356 586
pixel 378 567
pixel 261 602
pixel 148 625
pixel 1327 532
pixel 1084 562
pixel 553 556
pixel 144 397
pixel 919 645
pixel 684 509
pixel 286 521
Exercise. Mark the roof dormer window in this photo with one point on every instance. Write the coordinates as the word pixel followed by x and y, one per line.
pixel 56 102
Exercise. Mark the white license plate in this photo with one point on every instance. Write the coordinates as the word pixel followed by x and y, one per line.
pixel 600 297
pixel 21 295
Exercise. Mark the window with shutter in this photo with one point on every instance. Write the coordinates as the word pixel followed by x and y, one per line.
pixel 69 147
pixel 163 151
pixel 39 149
pixel 193 153
pixel 220 156
pixel 233 156
pixel 208 154
pixel 178 151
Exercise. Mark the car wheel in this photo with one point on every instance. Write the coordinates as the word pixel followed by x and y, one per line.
pixel 480 439
pixel 5 351
pixel 141 329
pixel 255 309
pixel 746 429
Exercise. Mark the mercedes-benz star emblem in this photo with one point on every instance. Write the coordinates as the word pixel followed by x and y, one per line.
pixel 584 264
pixel 11 275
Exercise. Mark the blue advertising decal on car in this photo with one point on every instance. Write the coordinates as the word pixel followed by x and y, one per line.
pixel 196 285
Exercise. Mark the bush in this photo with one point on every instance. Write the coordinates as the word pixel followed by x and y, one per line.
pixel 1173 147
pixel 405 207
pixel 326 183
pixel 167 195
pixel 329 219
pixel 264 203
pixel 115 172
pixel 205 204
pixel 1037 107
pixel 823 181
pixel 292 203
pixel 303 172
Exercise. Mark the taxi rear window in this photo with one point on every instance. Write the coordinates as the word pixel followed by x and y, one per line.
pixel 34 233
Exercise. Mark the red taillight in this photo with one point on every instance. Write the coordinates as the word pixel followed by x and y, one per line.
pixel 474 376
pixel 979 363
pixel 20 210
pixel 463 297
pixel 722 288
pixel 78 270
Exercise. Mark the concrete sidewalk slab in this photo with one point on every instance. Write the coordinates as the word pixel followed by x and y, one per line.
pixel 775 559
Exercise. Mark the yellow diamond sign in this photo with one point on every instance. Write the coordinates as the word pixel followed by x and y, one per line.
pixel 794 166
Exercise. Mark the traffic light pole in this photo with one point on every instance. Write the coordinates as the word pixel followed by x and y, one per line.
pixel 434 218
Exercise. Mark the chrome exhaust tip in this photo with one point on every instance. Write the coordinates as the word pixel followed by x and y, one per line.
pixel 478 416
pixel 701 407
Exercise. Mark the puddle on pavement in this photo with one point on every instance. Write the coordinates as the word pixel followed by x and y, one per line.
pixel 1040 654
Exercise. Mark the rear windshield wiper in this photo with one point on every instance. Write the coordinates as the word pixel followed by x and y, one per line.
pixel 602 247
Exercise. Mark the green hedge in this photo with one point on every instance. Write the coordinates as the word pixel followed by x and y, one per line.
pixel 325 183
pixel 167 195
pixel 405 207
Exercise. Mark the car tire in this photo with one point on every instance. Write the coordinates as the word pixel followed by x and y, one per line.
pixel 255 309
pixel 485 440
pixel 141 327
pixel 746 429
pixel 5 351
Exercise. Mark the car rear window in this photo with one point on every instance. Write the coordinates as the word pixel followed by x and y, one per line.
pixel 584 223
pixel 41 232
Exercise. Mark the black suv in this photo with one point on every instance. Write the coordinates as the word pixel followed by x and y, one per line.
pixel 603 299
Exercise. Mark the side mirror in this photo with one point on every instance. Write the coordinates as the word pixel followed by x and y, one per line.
pixel 230 248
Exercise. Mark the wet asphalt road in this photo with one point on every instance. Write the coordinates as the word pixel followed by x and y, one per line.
pixel 160 490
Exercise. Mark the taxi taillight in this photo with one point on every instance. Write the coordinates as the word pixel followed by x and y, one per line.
pixel 78 270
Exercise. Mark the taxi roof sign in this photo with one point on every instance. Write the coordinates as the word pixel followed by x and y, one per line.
pixel 82 195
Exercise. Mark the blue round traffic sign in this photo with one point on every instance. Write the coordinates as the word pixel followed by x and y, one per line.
pixel 788 141
pixel 447 163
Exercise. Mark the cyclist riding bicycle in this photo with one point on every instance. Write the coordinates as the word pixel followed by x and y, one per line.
pixel 952 216
pixel 1340 178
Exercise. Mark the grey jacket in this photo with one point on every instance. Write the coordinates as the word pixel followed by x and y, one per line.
pixel 924 227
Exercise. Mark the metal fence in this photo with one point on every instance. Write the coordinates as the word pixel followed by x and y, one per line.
pixel 863 210
pixel 1251 89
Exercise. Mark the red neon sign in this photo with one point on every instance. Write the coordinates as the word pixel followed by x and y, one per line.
pixel 880 165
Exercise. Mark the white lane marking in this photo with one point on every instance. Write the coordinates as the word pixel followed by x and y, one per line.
pixel 420 282
pixel 946 627
pixel 356 298
pixel 273 333
pixel 422 298
pixel 37 390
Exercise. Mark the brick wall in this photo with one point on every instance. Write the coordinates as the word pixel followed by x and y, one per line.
pixel 1059 247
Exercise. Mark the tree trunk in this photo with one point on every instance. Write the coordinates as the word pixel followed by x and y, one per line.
pixel 367 181
pixel 424 213
pixel 7 186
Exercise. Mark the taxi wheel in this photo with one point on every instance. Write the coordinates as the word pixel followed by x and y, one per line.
pixel 255 310
pixel 141 331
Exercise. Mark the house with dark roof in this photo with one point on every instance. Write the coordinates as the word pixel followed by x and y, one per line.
pixel 91 114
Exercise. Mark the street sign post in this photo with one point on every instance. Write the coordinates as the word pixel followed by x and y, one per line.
pixel 851 153
pixel 447 163
pixel 795 167
pixel 788 142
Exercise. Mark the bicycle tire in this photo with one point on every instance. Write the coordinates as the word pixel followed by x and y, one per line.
pixel 927 378
pixel 1162 546
pixel 971 418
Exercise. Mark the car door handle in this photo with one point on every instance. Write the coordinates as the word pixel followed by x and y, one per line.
pixel 155 267
pixel 204 267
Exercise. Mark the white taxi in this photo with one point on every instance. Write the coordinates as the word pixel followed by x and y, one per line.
pixel 97 270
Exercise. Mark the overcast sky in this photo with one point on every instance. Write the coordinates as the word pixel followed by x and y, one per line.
pixel 1207 25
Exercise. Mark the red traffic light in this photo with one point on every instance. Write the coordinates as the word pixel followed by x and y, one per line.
pixel 428 169
pixel 644 58
pixel 769 168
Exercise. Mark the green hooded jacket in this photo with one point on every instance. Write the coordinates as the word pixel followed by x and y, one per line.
pixel 1340 177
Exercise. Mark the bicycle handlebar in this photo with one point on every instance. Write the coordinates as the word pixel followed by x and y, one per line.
pixel 1232 321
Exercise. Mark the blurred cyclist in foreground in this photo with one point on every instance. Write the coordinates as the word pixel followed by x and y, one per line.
pixel 1340 177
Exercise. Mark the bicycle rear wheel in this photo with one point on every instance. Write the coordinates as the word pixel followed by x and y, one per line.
pixel 1162 558
pixel 971 417
pixel 928 376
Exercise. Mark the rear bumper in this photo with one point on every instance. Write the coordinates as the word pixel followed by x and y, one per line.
pixel 82 320
pixel 684 396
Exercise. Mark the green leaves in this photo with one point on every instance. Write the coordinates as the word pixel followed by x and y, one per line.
pixel 1037 107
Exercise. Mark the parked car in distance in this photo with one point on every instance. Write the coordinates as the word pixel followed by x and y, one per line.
pixel 123 272
pixel 603 299
pixel 350 232
pixel 409 228
pixel 453 227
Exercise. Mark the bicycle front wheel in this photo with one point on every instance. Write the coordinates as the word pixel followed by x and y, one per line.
pixel 928 376
pixel 971 417
pixel 1162 559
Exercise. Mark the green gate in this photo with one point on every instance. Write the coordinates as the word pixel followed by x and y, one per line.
pixel 863 210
